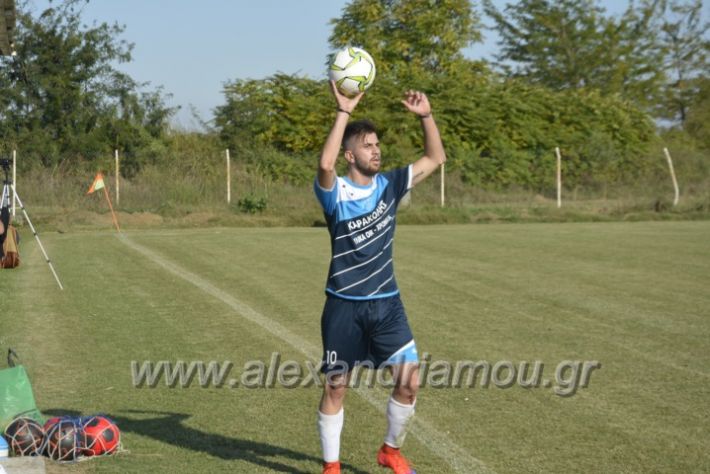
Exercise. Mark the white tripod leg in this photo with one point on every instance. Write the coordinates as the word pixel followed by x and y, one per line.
pixel 24 212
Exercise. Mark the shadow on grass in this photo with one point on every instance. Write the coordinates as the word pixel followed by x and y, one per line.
pixel 168 427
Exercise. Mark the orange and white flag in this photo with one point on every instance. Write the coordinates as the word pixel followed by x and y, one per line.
pixel 97 184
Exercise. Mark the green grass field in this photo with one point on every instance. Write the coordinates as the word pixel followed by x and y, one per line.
pixel 633 296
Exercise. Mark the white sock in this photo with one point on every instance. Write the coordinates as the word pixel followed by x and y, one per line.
pixel 398 416
pixel 329 428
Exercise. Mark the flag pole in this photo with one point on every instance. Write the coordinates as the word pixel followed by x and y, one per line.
pixel 118 189
pixel 229 179
pixel 110 206
pixel 675 181
pixel 442 185
pixel 98 184
pixel 559 177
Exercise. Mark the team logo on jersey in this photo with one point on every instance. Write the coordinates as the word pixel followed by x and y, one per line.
pixel 356 224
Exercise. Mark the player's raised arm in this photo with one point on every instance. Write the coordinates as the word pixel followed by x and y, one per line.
pixel 331 149
pixel 434 154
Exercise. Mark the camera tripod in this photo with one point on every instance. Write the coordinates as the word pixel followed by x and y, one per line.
pixel 5 203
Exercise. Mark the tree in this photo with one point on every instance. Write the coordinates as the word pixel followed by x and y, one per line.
pixel 406 35
pixel 571 44
pixel 685 36
pixel 697 122
pixel 498 131
pixel 7 26
pixel 283 111
pixel 551 43
pixel 63 99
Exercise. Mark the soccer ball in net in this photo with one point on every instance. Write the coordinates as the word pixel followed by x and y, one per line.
pixel 101 436
pixel 48 424
pixel 63 442
pixel 353 70
pixel 25 437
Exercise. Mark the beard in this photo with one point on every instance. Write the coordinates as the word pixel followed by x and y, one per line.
pixel 369 169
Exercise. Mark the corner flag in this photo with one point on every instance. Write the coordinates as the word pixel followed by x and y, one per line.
pixel 97 184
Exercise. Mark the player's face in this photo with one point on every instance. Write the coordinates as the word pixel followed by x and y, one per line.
pixel 366 154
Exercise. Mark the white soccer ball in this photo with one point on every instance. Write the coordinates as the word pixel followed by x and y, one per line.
pixel 353 70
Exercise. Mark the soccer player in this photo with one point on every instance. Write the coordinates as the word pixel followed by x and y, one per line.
pixel 363 319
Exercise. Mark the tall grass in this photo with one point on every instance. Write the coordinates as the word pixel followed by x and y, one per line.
pixel 185 185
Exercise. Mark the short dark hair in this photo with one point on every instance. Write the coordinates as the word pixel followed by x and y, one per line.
pixel 358 128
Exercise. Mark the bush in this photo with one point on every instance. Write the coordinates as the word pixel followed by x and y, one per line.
pixel 252 204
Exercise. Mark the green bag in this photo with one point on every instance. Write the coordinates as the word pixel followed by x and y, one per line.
pixel 16 397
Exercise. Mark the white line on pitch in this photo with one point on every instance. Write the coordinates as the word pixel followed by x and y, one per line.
pixel 437 442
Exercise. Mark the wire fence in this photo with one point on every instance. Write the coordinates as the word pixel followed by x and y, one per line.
pixel 218 181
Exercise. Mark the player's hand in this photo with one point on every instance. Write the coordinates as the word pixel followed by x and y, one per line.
pixel 345 103
pixel 417 102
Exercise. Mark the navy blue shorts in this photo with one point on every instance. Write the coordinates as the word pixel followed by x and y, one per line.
pixel 376 331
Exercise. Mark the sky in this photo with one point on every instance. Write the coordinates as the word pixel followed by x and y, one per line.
pixel 192 48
